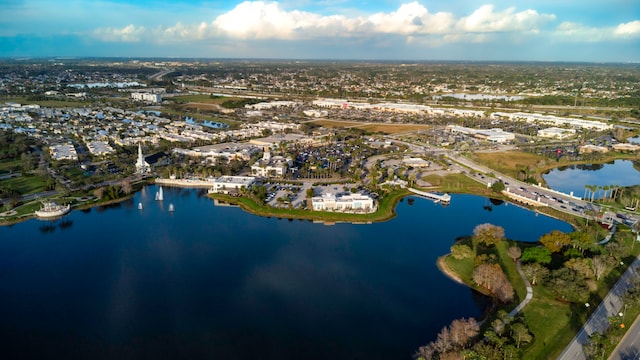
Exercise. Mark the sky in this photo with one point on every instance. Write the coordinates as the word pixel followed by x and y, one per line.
pixel 467 30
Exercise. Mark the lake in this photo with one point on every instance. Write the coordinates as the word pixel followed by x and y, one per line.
pixel 573 178
pixel 215 282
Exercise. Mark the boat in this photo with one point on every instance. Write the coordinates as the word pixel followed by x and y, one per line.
pixel 139 206
pixel 171 208
pixel 159 195
pixel 51 209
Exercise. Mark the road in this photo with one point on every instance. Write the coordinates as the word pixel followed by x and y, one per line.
pixel 599 320
pixel 629 346
pixel 541 196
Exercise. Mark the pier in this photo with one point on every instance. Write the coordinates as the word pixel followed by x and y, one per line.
pixel 437 198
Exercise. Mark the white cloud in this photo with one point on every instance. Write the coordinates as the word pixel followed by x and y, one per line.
pixel 129 33
pixel 576 32
pixel 268 20
pixel 485 19
pixel 630 29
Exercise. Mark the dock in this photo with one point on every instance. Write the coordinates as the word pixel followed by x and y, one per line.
pixel 437 198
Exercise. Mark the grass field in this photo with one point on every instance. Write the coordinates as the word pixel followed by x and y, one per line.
pixel 459 183
pixel 508 162
pixel 372 127
pixel 9 166
pixel 26 184
pixel 49 103
pixel 203 99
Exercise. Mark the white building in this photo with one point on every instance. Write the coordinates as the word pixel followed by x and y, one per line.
pixel 142 166
pixel 270 167
pixel 554 120
pixel 226 184
pixel 64 152
pixel 491 135
pixel 344 203
pixel 99 148
pixel 147 97
pixel 556 133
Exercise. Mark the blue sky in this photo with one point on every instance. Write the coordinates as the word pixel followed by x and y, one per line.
pixel 525 30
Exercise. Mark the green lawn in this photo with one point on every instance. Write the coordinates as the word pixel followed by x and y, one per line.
pixel 26 184
pixel 8 166
pixel 386 210
pixel 50 102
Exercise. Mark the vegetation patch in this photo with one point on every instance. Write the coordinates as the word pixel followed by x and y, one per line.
pixel 386 209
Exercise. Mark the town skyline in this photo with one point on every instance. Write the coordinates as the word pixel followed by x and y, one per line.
pixel 592 31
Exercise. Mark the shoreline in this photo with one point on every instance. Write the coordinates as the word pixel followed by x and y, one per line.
pixel 446 270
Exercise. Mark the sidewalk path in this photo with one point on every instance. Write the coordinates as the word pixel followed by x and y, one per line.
pixel 527 298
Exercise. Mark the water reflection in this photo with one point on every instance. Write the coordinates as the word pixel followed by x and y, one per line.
pixel 574 178
pixel 229 284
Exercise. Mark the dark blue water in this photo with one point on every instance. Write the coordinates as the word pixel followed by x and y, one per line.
pixel 574 178
pixel 218 283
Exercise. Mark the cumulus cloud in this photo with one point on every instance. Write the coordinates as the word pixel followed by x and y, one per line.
pixel 268 20
pixel 129 33
pixel 577 32
pixel 630 29
pixel 486 19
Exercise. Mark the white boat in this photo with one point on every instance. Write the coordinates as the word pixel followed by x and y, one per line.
pixel 171 208
pixel 51 209
pixel 159 195
pixel 139 206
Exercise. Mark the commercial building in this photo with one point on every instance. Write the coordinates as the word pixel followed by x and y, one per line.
pixel 270 167
pixel 491 135
pixel 63 152
pixel 343 203
pixel 231 184
pixel 556 133
pixel 147 97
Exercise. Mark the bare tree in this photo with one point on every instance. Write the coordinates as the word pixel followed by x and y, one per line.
pixel 600 265
pixel 492 278
pixel 463 330
pixel 99 192
pixel 514 253
pixel 126 187
pixel 488 234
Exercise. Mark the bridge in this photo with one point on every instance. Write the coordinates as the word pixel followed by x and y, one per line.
pixel 437 198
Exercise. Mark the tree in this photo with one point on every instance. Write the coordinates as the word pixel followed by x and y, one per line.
pixel 538 255
pixel 463 330
pixel 535 272
pixel 514 253
pixel 492 278
pixel 568 285
pixel 580 240
pixel 126 187
pixel 488 234
pixel 520 334
pixel 99 192
pixel 310 193
pixel 497 187
pixel 555 241
pixel 601 264
pixel 461 251
pixel 583 267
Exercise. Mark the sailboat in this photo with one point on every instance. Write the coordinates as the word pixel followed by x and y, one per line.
pixel 171 208
pixel 139 206
pixel 159 195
